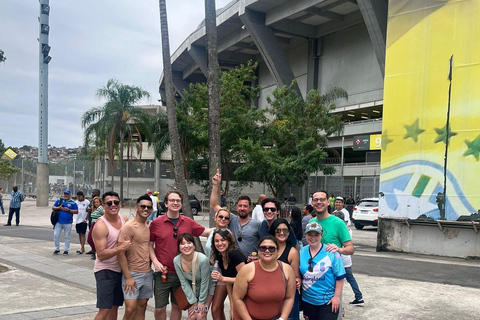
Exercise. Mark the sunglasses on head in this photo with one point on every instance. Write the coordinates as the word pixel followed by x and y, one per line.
pixel 143 207
pixel 270 209
pixel 239 238
pixel 175 229
pixel 271 249
pixel 114 202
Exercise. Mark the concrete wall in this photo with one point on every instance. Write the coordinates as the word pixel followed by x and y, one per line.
pixel 348 61
pixel 395 235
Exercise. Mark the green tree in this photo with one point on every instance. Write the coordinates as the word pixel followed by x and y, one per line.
pixel 7 170
pixel 239 119
pixel 109 126
pixel 294 138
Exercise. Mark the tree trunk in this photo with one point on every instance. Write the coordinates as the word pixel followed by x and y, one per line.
pixel 121 165
pixel 213 88
pixel 171 114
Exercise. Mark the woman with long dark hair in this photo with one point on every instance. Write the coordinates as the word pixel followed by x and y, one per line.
pixel 230 260
pixel 296 223
pixel 280 229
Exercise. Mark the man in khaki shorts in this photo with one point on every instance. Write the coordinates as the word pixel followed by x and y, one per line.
pixel 137 279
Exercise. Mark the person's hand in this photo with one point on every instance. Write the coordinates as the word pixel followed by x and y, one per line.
pixel 125 244
pixel 335 302
pixel 158 267
pixel 191 310
pixel 201 312
pixel 217 178
pixel 130 286
pixel 332 248
pixel 298 283
pixel 216 276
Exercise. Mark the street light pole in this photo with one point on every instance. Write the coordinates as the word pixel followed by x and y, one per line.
pixel 23 184
pixel 74 158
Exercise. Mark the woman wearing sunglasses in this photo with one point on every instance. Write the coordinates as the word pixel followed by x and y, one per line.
pixel 280 229
pixel 230 260
pixel 264 289
pixel 190 262
pixel 323 275
pixel 97 212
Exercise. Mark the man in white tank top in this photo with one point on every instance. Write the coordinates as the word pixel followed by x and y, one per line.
pixel 108 273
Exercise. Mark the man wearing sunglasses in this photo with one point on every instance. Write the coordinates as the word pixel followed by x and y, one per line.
pixel 137 279
pixel 108 274
pixel 245 230
pixel 164 232
pixel 67 208
pixel 271 207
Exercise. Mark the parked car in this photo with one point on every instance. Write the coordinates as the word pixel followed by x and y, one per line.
pixel 365 213
pixel 194 203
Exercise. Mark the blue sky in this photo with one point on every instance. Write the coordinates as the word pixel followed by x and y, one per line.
pixel 91 43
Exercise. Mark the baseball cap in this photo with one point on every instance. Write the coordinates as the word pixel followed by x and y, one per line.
pixel 66 192
pixel 340 199
pixel 314 226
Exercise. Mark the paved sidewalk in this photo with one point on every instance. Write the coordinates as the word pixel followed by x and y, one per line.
pixel 39 285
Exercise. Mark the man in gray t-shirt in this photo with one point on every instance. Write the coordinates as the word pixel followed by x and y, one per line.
pixel 245 230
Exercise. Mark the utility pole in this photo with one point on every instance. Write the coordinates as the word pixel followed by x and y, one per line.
pixel 44 59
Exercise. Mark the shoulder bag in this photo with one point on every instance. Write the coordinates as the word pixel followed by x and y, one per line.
pixel 180 297
pixel 54 215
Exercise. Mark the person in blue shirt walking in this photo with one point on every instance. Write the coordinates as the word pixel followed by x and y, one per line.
pixel 16 199
pixel 1 201
pixel 67 208
pixel 323 275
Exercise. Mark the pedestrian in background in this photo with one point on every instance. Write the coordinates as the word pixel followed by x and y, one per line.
pixel 67 208
pixel 16 199
pixel 1 201
pixel 82 218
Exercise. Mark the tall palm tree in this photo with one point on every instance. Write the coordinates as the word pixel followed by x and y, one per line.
pixel 213 86
pixel 110 125
pixel 178 166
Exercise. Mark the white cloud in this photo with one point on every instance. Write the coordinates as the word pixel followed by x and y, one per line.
pixel 91 42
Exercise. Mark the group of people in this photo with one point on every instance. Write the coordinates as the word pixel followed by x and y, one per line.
pixel 263 268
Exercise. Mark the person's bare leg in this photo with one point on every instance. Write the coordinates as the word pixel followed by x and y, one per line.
pixel 218 304
pixel 161 313
pixel 81 237
pixel 176 313
pixel 141 308
pixel 130 308
pixel 102 314
pixel 113 313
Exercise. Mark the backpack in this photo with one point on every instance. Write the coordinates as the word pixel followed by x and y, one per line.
pixel 55 214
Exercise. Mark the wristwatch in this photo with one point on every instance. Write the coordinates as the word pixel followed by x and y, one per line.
pixel 195 309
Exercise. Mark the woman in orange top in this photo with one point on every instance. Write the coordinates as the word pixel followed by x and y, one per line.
pixel 264 289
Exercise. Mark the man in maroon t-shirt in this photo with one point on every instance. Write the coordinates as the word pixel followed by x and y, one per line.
pixel 164 232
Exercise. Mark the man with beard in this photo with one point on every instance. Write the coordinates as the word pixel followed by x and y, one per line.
pixel 137 279
pixel 245 230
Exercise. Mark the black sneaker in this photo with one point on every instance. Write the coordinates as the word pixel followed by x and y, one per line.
pixel 56 252
pixel 93 257
pixel 357 302
pixel 79 252
pixel 90 252
pixel 65 252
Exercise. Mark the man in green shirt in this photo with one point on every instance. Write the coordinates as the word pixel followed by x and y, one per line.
pixel 335 232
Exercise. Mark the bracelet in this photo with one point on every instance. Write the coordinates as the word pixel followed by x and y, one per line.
pixel 205 309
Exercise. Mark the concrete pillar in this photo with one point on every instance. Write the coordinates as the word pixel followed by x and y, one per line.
pixel 42 187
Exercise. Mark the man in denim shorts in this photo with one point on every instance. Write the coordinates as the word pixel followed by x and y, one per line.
pixel 137 279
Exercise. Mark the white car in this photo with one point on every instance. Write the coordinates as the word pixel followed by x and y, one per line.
pixel 365 213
